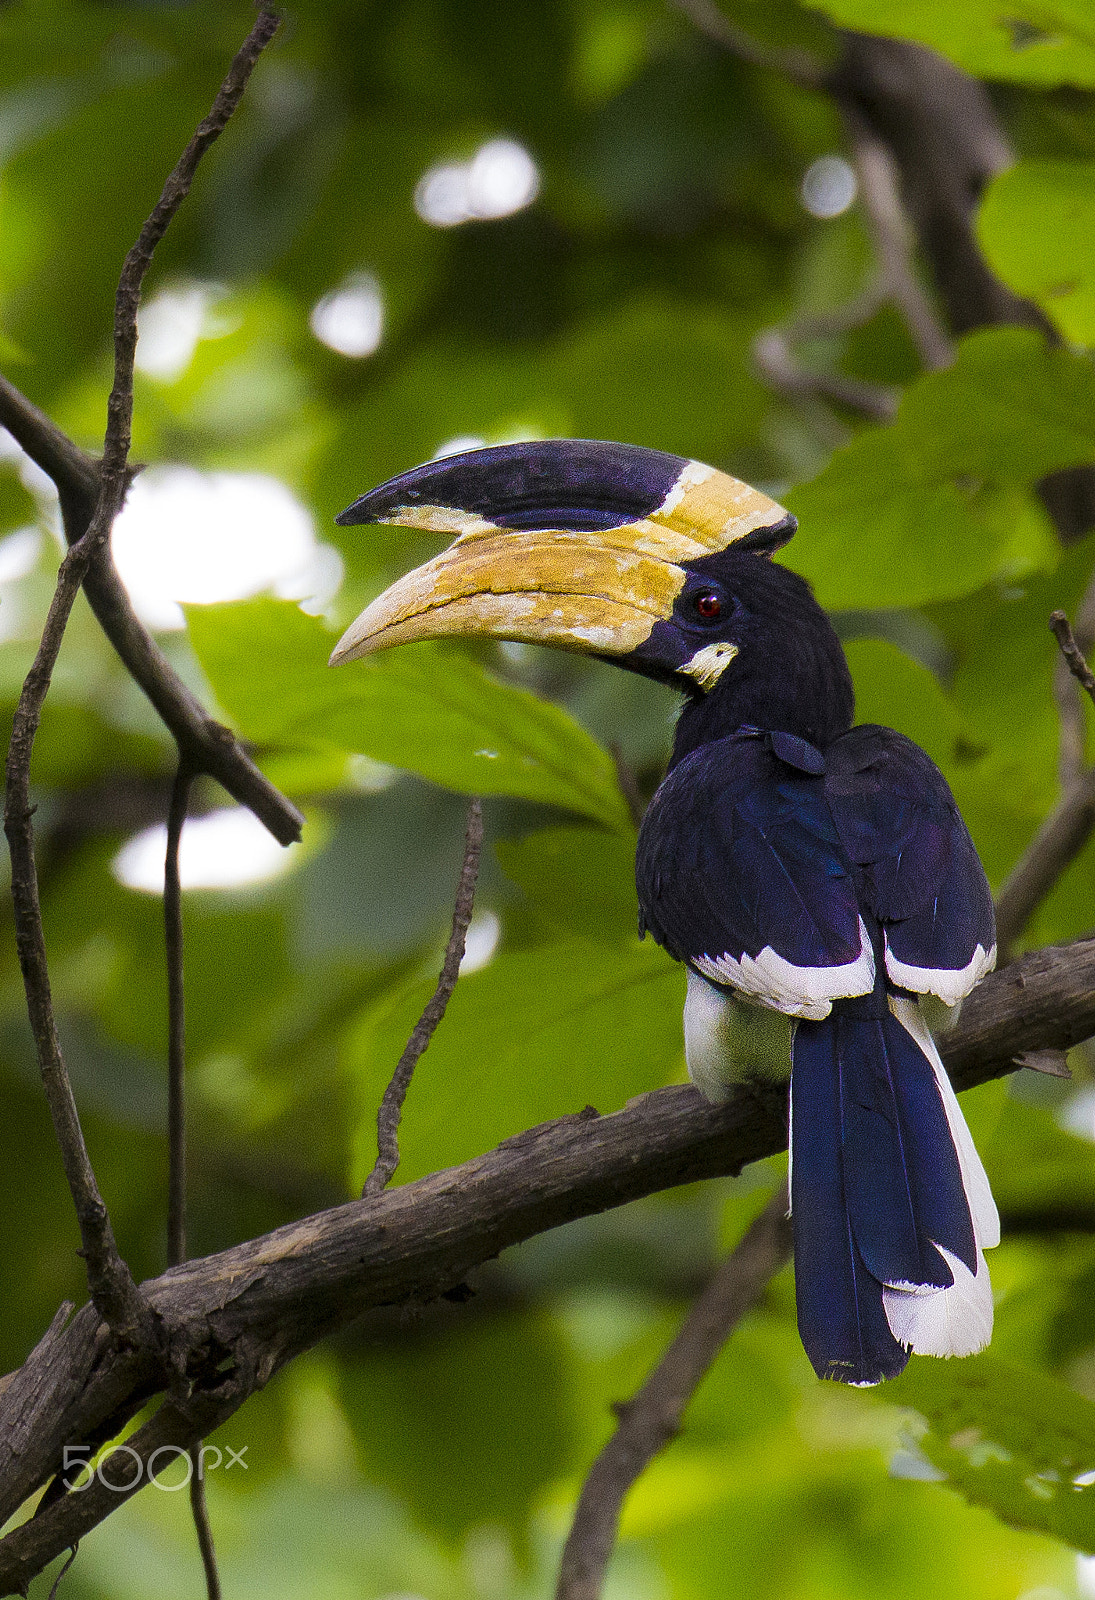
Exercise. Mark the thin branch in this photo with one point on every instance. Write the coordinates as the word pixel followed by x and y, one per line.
pixel 176 1022
pixel 391 1106
pixel 775 359
pixel 652 1419
pixel 1066 691
pixel 1061 630
pixel 1069 826
pixel 1072 741
pixel 774 348
pixel 109 1279
pixel 199 1510
pixel 262 1302
pixel 798 65
pixel 207 745
pixel 1054 847
pixel 894 241
pixel 176 1126
pixel 73 1553
pixel 139 259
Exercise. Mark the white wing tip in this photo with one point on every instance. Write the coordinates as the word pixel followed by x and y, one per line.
pixel 807 992
pixel 950 984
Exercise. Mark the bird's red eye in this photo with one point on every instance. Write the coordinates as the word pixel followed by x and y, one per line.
pixel 708 606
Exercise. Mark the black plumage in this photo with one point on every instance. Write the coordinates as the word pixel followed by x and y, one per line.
pixel 824 871
pixel 791 861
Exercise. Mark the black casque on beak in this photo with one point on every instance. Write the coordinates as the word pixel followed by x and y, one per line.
pixel 576 543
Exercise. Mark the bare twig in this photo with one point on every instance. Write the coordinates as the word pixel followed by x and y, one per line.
pixel 1066 689
pixel 109 1279
pixel 1072 741
pixel 1061 630
pixel 652 1419
pixel 206 744
pixel 707 18
pixel 774 348
pixel 176 1126
pixel 775 359
pixel 199 1510
pixel 391 1106
pixel 176 1023
pixel 262 1302
pixel 137 262
pixel 1054 847
pixel 55 1586
pixel 1069 825
pixel 894 241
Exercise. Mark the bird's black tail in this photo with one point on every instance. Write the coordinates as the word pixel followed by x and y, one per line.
pixel 890 1201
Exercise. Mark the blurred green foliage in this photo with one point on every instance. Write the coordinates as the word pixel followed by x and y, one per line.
pixel 437 1453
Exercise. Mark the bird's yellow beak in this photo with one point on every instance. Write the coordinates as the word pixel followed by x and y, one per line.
pixel 575 567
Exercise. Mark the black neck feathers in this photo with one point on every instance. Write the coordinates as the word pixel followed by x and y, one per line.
pixel 790 674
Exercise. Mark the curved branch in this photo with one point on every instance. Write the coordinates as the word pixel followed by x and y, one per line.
pixel 390 1112
pixel 263 1302
pixel 206 744
pixel 652 1419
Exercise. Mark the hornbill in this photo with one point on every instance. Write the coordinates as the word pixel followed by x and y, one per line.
pixel 793 862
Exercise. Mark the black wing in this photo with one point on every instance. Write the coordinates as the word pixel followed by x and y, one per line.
pixel 741 873
pixel 917 869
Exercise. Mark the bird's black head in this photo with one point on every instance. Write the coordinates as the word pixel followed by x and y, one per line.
pixel 748 644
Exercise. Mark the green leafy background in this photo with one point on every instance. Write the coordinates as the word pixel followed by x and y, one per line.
pixel 437 1454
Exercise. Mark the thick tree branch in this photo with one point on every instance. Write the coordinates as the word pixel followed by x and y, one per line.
pixel 390 1113
pixel 264 1301
pixel 652 1419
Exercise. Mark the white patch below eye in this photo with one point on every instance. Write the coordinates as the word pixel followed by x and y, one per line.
pixel 708 665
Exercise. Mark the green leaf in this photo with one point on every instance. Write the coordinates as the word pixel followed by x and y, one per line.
pixel 1010 1439
pixel 430 710
pixel 484 1394
pixel 1037 227
pixel 936 504
pixel 1034 1163
pixel 534 1035
pixel 893 689
pixel 1042 42
pixel 580 880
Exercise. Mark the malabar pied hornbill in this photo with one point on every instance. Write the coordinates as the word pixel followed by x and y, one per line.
pixel 792 861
